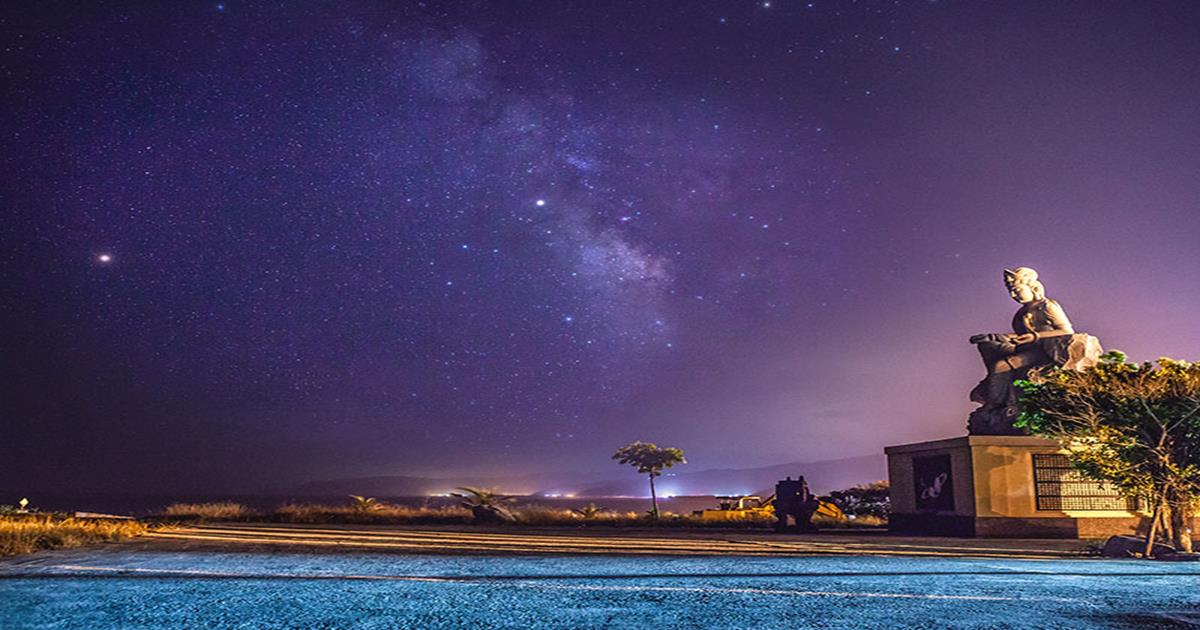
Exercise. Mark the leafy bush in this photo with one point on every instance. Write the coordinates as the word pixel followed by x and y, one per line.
pixel 870 499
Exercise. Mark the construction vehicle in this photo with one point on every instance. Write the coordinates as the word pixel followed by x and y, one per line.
pixel 752 507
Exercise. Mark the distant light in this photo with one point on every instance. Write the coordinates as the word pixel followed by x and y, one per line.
pixel 540 202
pixel 568 319
pixel 104 258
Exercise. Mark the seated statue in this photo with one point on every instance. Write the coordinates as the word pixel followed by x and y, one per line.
pixel 1042 336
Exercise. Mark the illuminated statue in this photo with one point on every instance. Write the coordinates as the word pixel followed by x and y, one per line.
pixel 1042 336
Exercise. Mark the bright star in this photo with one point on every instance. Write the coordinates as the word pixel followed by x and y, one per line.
pixel 104 258
pixel 540 202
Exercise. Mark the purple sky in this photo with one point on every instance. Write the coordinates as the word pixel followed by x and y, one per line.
pixel 364 238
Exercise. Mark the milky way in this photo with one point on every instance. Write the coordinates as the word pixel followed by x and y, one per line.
pixel 254 243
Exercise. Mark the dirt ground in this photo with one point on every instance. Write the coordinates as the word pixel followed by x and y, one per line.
pixel 580 541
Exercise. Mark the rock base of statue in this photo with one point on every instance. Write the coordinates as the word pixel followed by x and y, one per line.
pixel 997 393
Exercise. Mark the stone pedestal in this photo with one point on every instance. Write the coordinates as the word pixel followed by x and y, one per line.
pixel 984 485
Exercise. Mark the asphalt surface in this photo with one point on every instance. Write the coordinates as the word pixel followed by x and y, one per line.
pixel 122 586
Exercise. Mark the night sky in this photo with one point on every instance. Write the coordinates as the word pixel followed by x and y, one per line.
pixel 248 244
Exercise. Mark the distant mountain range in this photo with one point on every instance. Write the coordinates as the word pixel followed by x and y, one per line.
pixel 822 477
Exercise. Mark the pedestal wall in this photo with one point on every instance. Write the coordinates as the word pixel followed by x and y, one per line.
pixel 985 486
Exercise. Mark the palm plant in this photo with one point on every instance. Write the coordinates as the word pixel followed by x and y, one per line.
pixel 487 506
pixel 365 504
pixel 480 497
pixel 590 511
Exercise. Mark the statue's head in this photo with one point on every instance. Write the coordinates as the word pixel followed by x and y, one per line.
pixel 1023 285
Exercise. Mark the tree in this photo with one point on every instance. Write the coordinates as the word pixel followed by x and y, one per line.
pixel 1136 426
pixel 649 459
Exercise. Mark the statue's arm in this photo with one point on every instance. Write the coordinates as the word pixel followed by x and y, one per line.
pixel 1058 319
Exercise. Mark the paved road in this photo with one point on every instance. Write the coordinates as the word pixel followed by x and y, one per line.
pixel 121 586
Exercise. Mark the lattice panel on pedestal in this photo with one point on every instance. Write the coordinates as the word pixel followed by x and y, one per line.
pixel 1058 486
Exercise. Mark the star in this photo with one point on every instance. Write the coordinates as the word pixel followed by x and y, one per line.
pixel 540 202
pixel 104 259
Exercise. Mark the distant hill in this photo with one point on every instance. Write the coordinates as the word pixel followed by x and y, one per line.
pixel 822 477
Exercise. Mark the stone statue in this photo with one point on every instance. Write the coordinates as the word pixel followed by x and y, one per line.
pixel 1042 336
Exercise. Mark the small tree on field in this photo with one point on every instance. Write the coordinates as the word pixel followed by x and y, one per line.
pixel 1134 425
pixel 649 459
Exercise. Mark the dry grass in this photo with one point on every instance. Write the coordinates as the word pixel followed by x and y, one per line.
pixel 866 520
pixel 550 517
pixel 383 514
pixel 529 515
pixel 26 534
pixel 225 511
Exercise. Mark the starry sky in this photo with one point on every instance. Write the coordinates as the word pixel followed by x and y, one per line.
pixel 256 243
